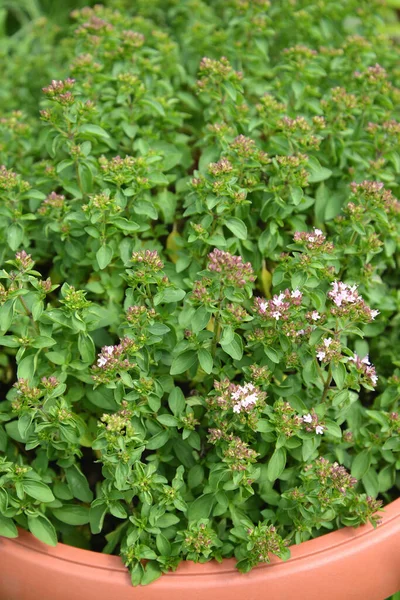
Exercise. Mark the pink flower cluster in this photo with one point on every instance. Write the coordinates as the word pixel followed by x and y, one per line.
pixel 375 192
pixel 23 261
pixel 148 259
pixel 365 368
pixel 238 455
pixel 60 91
pixel 245 397
pixel 239 398
pixel 329 350
pixel 315 239
pixel 53 200
pixel 312 423
pixel 113 359
pixel 334 474
pixel 222 167
pixel 279 306
pixel 231 267
pixel 348 301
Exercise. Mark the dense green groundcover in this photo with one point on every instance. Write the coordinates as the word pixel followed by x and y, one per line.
pixel 199 307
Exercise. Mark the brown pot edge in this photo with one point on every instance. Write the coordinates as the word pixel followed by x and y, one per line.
pixel 326 543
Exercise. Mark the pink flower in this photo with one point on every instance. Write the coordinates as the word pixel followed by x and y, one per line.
pixel 365 368
pixel 348 302
pixel 232 268
pixel 245 396
pixel 307 418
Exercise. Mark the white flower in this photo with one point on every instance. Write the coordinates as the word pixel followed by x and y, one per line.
pixel 296 294
pixel 315 315
pixel 321 355
pixel 319 430
pixel 327 342
pixel 318 232
pixel 374 313
pixel 278 300
pixel 277 315
pixel 307 418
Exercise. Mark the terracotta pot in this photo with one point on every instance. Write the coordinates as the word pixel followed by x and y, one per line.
pixel 350 564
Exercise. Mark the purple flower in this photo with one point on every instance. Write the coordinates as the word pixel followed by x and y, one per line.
pixel 232 268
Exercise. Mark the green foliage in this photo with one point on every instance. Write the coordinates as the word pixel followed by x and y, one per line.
pixel 199 240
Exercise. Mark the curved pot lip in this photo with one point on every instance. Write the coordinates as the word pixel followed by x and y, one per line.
pixel 304 551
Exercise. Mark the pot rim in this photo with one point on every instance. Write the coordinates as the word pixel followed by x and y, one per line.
pixel 348 536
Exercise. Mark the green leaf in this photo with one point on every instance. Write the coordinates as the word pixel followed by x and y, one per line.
pixel 72 514
pixel 167 420
pixel 42 529
pixel 159 329
pixel 96 130
pixel 86 348
pixel 371 483
pixel 296 194
pixel 272 354
pixel 158 441
pixel 361 464
pixel 237 227
pixel 317 172
pixel 339 374
pixel 167 520
pixel 15 235
pixel 144 207
pixel 152 571
pixel 386 478
pixel 276 464
pixel 234 348
pixel 176 401
pixel 156 106
pixel 97 513
pixel 333 428
pixel 27 367
pixel 78 484
pixel 8 527
pixel 6 315
pixel 196 476
pixel 103 256
pixel 201 507
pixel 205 360
pixel 200 319
pixel 9 341
pixel 169 295
pixel 230 90
pixel 227 335
pixel 137 574
pixel 38 490
pixel 183 362
pixel 163 545
pixel 42 341
pixel 125 225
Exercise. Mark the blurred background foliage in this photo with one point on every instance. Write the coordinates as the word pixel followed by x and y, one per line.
pixel 31 31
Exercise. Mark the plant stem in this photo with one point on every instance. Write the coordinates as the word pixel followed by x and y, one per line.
pixel 217 332
pixel 217 324
pixel 327 384
pixel 29 314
